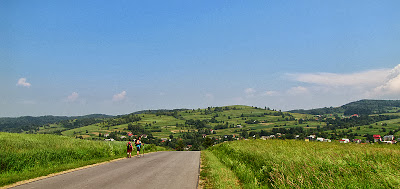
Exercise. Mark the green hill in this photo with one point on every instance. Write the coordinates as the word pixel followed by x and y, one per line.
pixel 365 107
pixel 30 124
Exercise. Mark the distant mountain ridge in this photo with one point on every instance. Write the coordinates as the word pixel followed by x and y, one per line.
pixel 159 111
pixel 361 107
pixel 27 123
pixel 24 123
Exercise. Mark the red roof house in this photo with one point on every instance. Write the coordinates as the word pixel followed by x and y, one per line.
pixel 377 138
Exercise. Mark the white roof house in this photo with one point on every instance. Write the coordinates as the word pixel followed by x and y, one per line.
pixel 320 139
pixel 344 140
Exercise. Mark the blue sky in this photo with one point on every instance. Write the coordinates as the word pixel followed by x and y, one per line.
pixel 83 57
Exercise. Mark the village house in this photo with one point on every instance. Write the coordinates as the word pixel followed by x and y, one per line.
pixel 204 135
pixel 239 126
pixel 110 139
pixel 106 135
pixel 388 138
pixel 271 136
pixel 122 137
pixel 164 139
pixel 344 140
pixel 311 137
pixel 357 140
pixel 320 139
pixel 377 138
pixel 327 140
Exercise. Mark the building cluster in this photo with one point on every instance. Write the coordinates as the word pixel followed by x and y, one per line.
pixel 388 139
pixel 129 136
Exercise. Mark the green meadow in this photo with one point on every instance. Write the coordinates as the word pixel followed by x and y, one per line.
pixel 299 164
pixel 26 156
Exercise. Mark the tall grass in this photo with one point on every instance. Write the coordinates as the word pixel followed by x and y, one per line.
pixel 215 174
pixel 299 164
pixel 24 156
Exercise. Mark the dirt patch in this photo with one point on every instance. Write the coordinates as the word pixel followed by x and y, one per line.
pixel 177 131
pixel 85 136
pixel 266 123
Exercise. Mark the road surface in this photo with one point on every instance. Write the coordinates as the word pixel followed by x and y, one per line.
pixel 154 170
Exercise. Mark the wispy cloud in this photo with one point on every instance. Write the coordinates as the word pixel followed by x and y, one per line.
pixel 299 90
pixel 119 97
pixel 366 78
pixel 250 92
pixel 73 97
pixel 379 83
pixel 22 82
pixel 270 93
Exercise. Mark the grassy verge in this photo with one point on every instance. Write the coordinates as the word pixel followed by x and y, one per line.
pixel 214 174
pixel 298 164
pixel 24 156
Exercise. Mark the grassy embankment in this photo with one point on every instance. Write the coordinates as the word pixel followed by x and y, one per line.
pixel 24 156
pixel 299 164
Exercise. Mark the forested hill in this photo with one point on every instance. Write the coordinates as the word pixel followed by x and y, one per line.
pixel 361 107
pixel 26 123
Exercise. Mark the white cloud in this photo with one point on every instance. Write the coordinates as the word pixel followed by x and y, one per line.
pixel 22 82
pixel 299 90
pixel 270 93
pixel 73 97
pixel 366 78
pixel 119 97
pixel 379 83
pixel 391 86
pixel 250 92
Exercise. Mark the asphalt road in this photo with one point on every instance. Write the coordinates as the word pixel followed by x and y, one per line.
pixel 154 170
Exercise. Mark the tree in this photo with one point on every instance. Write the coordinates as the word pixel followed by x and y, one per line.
pixel 180 146
pixel 208 142
pixel 171 136
pixel 245 134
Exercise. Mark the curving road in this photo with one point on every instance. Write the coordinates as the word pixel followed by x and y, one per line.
pixel 154 170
